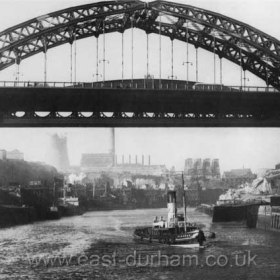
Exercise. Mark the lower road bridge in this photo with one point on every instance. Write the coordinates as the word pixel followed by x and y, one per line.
pixel 143 102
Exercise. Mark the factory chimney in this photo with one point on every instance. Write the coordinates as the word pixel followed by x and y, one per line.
pixel 58 153
pixel 142 159
pixel 129 159
pixel 149 160
pixel 112 144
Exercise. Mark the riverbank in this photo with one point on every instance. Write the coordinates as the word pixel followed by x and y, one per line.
pixel 11 215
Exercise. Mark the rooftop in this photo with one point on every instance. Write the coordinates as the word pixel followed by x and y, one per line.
pixel 235 173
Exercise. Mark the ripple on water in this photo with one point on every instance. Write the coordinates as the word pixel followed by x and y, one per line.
pixel 108 232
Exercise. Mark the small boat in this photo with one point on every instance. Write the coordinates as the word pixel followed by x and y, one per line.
pixel 174 230
pixel 189 246
pixel 53 212
pixel 69 205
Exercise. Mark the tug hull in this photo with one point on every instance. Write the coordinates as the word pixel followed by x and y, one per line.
pixel 167 236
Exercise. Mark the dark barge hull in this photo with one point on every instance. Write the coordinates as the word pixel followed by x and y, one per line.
pixel 69 210
pixel 11 215
pixel 247 213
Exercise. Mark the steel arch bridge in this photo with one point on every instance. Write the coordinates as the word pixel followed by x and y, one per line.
pixel 238 42
pixel 230 39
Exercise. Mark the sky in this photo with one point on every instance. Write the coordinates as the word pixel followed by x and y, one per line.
pixel 235 147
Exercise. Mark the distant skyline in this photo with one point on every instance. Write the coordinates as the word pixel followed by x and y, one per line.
pixel 235 147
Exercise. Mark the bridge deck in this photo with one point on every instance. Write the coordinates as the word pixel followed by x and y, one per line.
pixel 165 84
pixel 198 105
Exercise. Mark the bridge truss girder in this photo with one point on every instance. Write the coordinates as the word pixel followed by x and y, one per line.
pixel 143 119
pixel 136 107
pixel 238 42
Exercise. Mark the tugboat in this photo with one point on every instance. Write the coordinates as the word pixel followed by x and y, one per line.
pixel 174 230
pixel 53 212
pixel 69 205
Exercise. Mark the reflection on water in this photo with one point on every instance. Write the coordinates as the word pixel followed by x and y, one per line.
pixel 110 234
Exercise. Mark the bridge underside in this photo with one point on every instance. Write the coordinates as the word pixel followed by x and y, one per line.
pixel 138 122
pixel 70 107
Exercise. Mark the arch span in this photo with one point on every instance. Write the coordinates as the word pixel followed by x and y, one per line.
pixel 236 41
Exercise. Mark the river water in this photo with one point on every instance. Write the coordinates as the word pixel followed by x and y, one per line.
pixel 99 245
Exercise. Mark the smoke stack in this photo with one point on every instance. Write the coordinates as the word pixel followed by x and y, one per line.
pixel 142 159
pixel 189 166
pixel 122 159
pixel 116 159
pixel 216 168
pixel 136 159
pixel 93 190
pixel 58 154
pixel 112 139
pixel 129 159
pixel 149 160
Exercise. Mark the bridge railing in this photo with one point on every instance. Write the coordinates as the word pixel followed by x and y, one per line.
pixel 139 84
